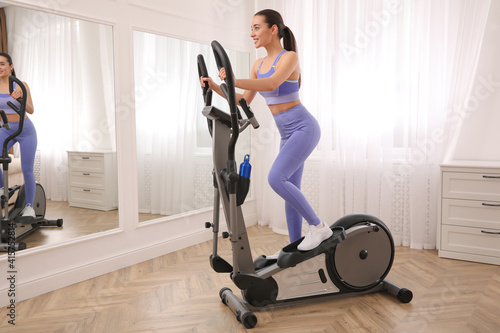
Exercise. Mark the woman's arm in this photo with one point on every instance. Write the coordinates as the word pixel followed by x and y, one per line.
pixel 287 65
pixel 248 95
pixel 29 102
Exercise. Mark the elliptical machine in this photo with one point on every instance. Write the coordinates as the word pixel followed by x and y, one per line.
pixel 354 261
pixel 13 226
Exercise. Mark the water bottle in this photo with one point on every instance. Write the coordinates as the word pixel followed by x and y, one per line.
pixel 245 167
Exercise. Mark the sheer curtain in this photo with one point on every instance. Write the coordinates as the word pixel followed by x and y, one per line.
pixel 165 72
pixel 67 64
pixel 382 78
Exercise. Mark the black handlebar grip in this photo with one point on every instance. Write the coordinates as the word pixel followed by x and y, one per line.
pixel 250 115
pixel 4 119
pixel 202 72
pixel 11 83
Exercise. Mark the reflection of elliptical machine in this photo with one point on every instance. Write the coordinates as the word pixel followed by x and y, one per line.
pixel 354 261
pixel 13 226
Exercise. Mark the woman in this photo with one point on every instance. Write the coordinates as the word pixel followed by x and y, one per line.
pixel 27 138
pixel 277 78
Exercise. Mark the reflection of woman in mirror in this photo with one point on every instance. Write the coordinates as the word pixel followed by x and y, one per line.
pixel 27 139
pixel 277 78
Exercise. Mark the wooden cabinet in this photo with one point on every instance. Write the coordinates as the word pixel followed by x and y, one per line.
pixel 470 211
pixel 92 180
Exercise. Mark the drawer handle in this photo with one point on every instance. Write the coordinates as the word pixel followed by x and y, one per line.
pixel 86 174
pixel 88 158
pixel 86 190
pixel 490 232
pixel 491 205
pixel 491 177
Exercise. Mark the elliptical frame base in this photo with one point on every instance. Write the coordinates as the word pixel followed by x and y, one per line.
pixel 244 311
pixel 12 231
pixel 317 277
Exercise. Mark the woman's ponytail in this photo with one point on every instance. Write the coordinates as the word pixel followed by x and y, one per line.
pixel 289 42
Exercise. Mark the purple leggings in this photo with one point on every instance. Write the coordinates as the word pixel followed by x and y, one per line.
pixel 300 133
pixel 27 142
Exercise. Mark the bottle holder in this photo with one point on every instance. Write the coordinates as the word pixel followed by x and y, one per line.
pixel 243 188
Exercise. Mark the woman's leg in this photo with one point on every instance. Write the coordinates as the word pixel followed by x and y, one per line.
pixel 28 143
pixel 300 134
pixel 293 217
pixel 290 158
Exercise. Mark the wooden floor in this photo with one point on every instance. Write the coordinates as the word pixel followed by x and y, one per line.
pixel 77 222
pixel 178 293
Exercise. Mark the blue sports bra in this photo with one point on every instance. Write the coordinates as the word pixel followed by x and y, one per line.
pixel 288 91
pixel 4 98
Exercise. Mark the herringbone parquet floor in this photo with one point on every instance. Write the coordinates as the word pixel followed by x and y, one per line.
pixel 178 293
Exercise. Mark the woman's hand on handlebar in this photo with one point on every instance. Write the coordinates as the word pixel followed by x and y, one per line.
pixel 211 84
pixel 17 94
pixel 222 74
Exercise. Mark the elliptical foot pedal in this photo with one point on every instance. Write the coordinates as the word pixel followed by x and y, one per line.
pixel 220 265
pixel 25 219
pixel 291 256
pixel 262 261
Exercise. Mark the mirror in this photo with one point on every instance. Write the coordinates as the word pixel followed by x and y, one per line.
pixel 68 66
pixel 174 148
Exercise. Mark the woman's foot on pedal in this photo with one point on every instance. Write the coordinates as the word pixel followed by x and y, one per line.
pixel 28 211
pixel 315 236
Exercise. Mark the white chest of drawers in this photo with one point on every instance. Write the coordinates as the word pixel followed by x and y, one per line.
pixel 470 211
pixel 92 180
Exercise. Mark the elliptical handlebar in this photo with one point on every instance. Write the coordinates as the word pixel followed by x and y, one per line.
pixel 206 92
pixel 22 100
pixel 203 72
pixel 228 89
pixel 21 111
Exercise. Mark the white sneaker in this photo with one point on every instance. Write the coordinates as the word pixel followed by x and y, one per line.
pixel 28 211
pixel 274 256
pixel 315 236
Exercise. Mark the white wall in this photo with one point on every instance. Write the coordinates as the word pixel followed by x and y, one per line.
pixel 46 268
pixel 480 132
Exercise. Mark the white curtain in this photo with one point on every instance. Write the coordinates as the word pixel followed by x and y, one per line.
pixel 166 141
pixel 68 65
pixel 382 77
